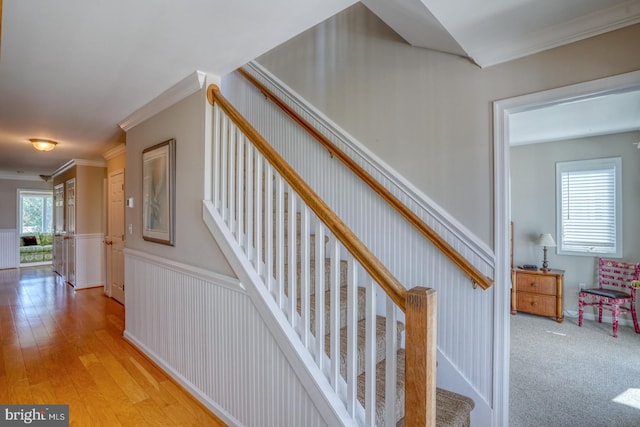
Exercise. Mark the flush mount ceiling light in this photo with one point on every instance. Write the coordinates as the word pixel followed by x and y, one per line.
pixel 43 144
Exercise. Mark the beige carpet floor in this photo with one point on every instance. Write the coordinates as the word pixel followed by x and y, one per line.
pixel 562 375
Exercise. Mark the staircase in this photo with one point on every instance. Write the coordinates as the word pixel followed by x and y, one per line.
pixel 452 409
pixel 338 306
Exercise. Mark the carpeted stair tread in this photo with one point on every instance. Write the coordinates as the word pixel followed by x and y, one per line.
pixel 381 323
pixel 343 307
pixel 380 390
pixel 452 409
pixel 312 275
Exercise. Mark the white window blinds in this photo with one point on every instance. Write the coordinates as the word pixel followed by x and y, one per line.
pixel 588 202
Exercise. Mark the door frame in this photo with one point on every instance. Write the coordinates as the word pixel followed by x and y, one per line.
pixel 108 253
pixel 502 207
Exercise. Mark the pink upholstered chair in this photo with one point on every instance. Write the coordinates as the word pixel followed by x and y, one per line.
pixel 615 288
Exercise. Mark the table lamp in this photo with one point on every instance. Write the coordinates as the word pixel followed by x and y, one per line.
pixel 546 241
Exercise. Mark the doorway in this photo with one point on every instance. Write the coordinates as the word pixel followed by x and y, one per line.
pixel 115 237
pixel 502 196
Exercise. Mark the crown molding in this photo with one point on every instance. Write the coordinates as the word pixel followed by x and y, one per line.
pixel 79 162
pixel 175 93
pixel 593 24
pixel 115 151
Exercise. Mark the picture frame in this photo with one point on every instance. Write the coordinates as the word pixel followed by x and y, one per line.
pixel 158 192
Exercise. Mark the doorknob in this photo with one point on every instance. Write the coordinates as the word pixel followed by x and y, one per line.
pixel 108 242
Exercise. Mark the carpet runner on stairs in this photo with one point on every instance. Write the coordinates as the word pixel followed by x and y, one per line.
pixel 452 409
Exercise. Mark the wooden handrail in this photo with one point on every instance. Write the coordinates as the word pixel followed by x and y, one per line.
pixel 359 250
pixel 470 270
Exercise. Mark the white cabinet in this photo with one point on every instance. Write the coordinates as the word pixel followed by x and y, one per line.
pixel 59 259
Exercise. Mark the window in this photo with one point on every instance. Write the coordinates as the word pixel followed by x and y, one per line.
pixel 36 211
pixel 589 216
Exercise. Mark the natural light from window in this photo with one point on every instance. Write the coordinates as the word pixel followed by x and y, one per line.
pixel 36 211
pixel 588 214
pixel 630 397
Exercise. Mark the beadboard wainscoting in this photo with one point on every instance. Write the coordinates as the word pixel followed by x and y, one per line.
pixel 202 328
pixel 465 315
pixel 90 258
pixel 9 253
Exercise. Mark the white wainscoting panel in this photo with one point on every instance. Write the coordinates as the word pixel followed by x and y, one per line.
pixel 90 258
pixel 465 315
pixel 9 252
pixel 203 329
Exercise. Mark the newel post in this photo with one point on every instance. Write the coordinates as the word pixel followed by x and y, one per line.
pixel 420 358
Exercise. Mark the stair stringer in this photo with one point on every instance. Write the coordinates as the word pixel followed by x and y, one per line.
pixel 327 400
pixel 451 378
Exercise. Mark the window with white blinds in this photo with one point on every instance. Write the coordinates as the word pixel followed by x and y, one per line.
pixel 589 211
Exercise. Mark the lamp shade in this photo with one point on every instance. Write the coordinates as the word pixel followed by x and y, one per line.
pixel 546 240
pixel 43 144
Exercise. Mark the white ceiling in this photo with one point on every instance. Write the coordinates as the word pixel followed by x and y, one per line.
pixel 71 70
pixel 495 31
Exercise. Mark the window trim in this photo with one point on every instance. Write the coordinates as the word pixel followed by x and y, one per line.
pixel 33 193
pixel 586 165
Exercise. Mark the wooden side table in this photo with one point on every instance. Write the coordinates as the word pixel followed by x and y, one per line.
pixel 537 292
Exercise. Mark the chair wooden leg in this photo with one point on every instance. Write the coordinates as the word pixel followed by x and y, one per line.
pixel 580 309
pixel 615 312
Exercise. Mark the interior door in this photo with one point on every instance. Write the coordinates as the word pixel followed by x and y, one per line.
pixel 70 236
pixel 115 238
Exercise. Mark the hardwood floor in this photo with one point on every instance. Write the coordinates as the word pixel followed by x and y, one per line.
pixel 59 346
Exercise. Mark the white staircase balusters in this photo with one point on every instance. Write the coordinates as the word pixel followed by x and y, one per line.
pixel 320 294
pixel 352 336
pixel 391 363
pixel 370 356
pixel 273 227
pixel 292 242
pixel 340 328
pixel 305 277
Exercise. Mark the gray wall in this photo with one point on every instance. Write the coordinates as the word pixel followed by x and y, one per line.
pixel 533 196
pixel 428 114
pixel 194 245
pixel 9 199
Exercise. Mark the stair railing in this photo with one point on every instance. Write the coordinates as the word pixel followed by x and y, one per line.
pixel 476 276
pixel 271 215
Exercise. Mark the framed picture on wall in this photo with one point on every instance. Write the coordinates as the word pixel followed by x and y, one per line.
pixel 158 192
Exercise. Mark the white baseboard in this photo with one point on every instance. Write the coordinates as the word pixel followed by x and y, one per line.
pixel 194 391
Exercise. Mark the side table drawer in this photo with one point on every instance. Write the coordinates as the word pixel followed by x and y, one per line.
pixel 544 305
pixel 536 283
